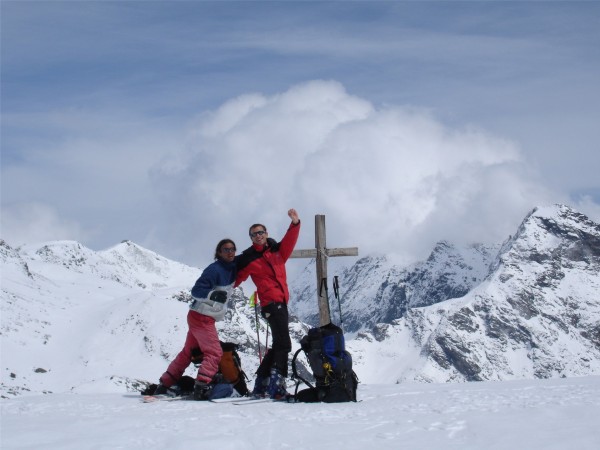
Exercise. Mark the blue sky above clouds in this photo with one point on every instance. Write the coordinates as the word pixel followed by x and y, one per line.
pixel 174 124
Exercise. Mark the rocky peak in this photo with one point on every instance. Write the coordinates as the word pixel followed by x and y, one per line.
pixel 536 315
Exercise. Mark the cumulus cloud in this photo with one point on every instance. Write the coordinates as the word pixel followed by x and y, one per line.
pixel 391 180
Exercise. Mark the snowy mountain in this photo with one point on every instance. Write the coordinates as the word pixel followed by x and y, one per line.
pixel 535 315
pixel 76 320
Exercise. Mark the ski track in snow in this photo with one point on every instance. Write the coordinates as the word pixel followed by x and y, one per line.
pixel 524 414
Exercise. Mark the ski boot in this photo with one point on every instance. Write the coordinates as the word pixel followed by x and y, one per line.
pixel 202 390
pixel 161 389
pixel 260 387
pixel 276 389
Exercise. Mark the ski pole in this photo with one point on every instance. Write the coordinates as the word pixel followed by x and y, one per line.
pixel 253 300
pixel 323 287
pixel 336 291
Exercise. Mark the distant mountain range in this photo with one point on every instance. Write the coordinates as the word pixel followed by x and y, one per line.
pixel 374 291
pixel 78 320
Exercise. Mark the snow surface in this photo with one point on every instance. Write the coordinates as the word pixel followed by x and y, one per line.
pixel 521 414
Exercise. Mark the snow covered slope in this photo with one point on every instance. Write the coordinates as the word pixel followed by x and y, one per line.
pixel 68 312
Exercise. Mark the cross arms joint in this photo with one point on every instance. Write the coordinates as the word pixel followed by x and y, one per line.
pixel 312 253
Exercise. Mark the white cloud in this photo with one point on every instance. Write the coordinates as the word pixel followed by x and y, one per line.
pixel 390 180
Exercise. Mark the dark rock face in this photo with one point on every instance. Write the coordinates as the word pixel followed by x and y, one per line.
pixel 539 307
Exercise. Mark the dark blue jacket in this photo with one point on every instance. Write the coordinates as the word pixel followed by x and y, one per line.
pixel 218 276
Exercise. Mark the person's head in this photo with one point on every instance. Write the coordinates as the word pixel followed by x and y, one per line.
pixel 225 250
pixel 258 234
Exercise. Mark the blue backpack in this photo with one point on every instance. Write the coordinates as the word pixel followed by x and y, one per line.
pixel 331 366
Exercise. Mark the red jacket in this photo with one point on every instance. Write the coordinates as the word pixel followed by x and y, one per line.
pixel 267 268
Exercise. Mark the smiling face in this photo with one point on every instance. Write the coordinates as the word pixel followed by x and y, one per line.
pixel 259 235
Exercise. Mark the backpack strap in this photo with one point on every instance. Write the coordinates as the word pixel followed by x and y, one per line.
pixel 296 376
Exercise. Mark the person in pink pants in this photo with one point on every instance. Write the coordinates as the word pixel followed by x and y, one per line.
pixel 210 296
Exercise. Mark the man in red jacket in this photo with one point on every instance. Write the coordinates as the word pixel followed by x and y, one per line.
pixel 264 262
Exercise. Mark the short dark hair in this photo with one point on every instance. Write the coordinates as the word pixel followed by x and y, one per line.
pixel 254 226
pixel 221 243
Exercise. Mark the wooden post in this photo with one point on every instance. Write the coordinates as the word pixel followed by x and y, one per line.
pixel 321 253
pixel 320 246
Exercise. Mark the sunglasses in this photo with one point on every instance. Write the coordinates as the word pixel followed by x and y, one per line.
pixel 257 233
pixel 228 249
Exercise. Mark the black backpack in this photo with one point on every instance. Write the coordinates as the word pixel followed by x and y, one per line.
pixel 331 365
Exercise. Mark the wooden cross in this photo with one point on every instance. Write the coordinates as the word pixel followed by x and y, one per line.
pixel 321 253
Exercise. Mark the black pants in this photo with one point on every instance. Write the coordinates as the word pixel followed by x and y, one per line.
pixel 276 315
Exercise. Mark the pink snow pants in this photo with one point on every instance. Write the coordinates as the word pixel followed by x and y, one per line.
pixel 202 333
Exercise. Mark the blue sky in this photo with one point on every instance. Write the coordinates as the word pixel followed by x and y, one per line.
pixel 174 124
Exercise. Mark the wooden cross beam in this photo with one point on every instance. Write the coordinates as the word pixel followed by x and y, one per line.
pixel 321 253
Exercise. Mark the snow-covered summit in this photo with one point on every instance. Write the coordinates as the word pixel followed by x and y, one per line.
pixel 126 263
